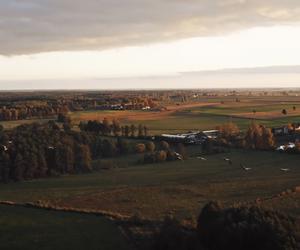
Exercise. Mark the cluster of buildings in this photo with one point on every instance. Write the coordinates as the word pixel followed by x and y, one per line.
pixel 286 130
pixel 195 137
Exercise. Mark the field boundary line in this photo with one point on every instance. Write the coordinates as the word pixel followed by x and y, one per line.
pixel 110 215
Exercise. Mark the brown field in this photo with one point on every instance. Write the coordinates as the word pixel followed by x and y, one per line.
pixel 129 115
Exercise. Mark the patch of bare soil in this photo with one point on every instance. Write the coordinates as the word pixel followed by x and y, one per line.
pixel 128 115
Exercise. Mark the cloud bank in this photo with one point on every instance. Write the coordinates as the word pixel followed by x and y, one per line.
pixel 261 77
pixel 33 26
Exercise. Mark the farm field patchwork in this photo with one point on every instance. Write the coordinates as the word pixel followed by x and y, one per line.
pixel 204 116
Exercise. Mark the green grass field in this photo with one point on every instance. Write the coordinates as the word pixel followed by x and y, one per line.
pixel 180 188
pixel 190 121
pixel 34 229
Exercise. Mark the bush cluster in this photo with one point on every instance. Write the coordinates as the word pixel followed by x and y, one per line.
pixel 234 228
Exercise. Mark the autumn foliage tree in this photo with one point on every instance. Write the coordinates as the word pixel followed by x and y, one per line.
pixel 228 131
pixel 259 137
pixel 140 148
pixel 150 146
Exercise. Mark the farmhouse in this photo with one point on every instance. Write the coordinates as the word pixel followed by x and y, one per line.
pixel 280 130
pixel 196 137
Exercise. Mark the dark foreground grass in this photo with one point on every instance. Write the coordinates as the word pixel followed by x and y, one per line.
pixel 34 229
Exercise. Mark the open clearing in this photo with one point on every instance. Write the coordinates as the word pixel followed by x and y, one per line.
pixel 30 229
pixel 180 188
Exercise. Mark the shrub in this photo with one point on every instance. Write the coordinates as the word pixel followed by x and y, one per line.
pixel 164 145
pixel 229 131
pixel 140 148
pixel 161 156
pixel 150 146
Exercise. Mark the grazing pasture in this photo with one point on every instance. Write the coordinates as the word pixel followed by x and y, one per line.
pixel 180 188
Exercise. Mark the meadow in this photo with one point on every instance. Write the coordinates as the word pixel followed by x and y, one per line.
pixel 181 188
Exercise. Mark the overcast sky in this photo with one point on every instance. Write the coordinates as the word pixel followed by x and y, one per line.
pixel 100 44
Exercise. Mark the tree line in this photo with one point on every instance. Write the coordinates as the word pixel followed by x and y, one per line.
pixel 40 150
pixel 114 128
pixel 30 112
pixel 256 136
pixel 18 108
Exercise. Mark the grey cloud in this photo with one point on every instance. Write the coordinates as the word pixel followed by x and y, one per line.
pixel 32 26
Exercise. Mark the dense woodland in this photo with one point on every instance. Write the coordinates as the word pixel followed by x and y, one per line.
pixel 41 150
pixel 49 106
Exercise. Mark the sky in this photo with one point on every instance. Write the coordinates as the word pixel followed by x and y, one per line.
pixel 135 44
